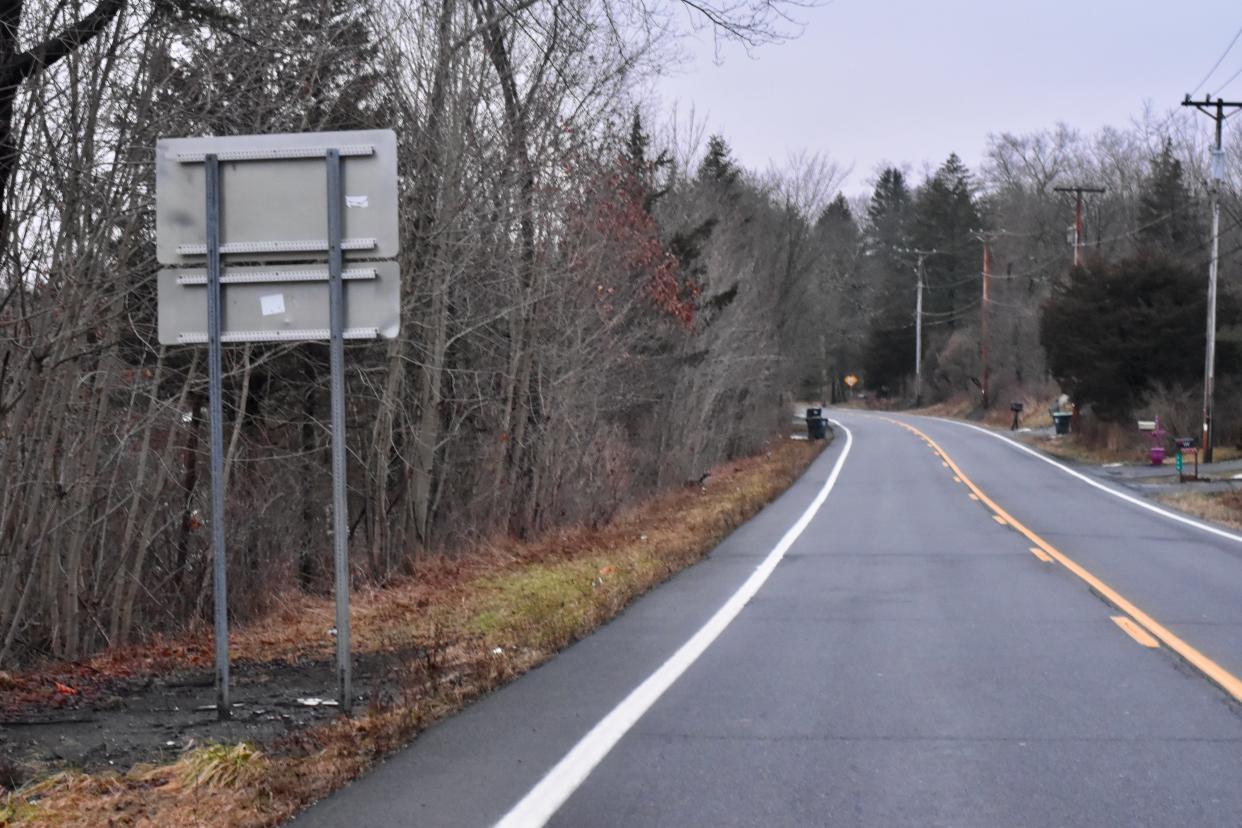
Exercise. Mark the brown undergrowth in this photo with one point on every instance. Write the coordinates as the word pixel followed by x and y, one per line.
pixel 1131 446
pixel 1224 508
pixel 1035 411
pixel 463 627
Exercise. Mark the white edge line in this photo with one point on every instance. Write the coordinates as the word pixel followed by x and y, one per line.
pixel 543 800
pixel 1137 501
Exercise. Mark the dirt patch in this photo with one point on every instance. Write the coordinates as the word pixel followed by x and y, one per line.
pixel 158 718
pixel 130 737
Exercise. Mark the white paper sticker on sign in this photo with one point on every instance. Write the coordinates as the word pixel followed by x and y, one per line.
pixel 272 304
pixel 355 201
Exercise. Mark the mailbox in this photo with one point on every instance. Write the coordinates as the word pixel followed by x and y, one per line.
pixel 1016 408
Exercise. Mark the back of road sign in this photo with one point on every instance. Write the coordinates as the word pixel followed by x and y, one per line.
pixel 274 196
pixel 279 303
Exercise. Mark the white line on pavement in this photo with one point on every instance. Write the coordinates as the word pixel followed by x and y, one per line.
pixel 543 800
pixel 1137 501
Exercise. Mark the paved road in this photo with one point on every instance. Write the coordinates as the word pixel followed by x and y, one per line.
pixel 908 660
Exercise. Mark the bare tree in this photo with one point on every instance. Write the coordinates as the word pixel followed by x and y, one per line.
pixel 18 65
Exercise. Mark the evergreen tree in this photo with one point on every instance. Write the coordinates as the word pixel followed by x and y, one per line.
pixel 1111 330
pixel 643 169
pixel 718 165
pixel 888 214
pixel 637 143
pixel 836 214
pixel 1167 212
pixel 840 240
pixel 888 353
pixel 946 218
pixel 888 283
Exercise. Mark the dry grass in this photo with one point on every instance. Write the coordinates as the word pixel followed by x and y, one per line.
pixel 1072 447
pixel 221 766
pixel 1224 508
pixel 1035 412
pixel 476 622
pixel 1132 448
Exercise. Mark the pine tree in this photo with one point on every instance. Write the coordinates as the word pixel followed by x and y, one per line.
pixel 841 238
pixel 888 214
pixel 886 240
pixel 636 145
pixel 643 169
pixel 1111 330
pixel 836 214
pixel 718 165
pixel 889 282
pixel 946 217
pixel 1167 211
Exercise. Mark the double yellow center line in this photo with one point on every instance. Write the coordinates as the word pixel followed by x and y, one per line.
pixel 1138 624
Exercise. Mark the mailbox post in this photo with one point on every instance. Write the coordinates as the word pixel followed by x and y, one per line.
pixel 1185 444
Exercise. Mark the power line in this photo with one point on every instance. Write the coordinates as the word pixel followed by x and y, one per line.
pixel 1131 233
pixel 1226 83
pixel 1218 62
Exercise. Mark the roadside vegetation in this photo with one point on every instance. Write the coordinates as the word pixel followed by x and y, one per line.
pixel 599 301
pixel 1224 508
pixel 601 305
pixel 462 627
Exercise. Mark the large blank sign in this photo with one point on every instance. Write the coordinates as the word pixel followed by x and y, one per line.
pixel 278 238
pixel 274 195
pixel 279 304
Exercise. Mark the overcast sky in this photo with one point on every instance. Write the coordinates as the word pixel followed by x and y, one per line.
pixel 909 81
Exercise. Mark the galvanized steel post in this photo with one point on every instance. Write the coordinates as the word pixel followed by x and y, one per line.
pixel 215 404
pixel 340 507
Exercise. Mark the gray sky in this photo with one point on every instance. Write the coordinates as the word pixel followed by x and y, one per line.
pixel 910 81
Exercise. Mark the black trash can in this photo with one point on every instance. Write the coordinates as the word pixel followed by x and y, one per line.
pixel 816 424
pixel 1061 420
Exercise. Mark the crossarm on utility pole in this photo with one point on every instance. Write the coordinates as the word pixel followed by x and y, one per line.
pixel 1078 191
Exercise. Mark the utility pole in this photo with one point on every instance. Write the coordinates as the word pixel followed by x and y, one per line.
pixel 983 315
pixel 1216 111
pixel 918 339
pixel 918 323
pixel 1078 191
pixel 824 390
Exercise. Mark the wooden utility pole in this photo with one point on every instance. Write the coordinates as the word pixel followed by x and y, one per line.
pixel 918 339
pixel 983 315
pixel 1078 235
pixel 1216 111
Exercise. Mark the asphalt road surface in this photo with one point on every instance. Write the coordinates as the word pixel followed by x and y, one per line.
pixel 930 628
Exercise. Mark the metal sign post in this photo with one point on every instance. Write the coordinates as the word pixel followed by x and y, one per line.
pixel 267 267
pixel 340 508
pixel 215 406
